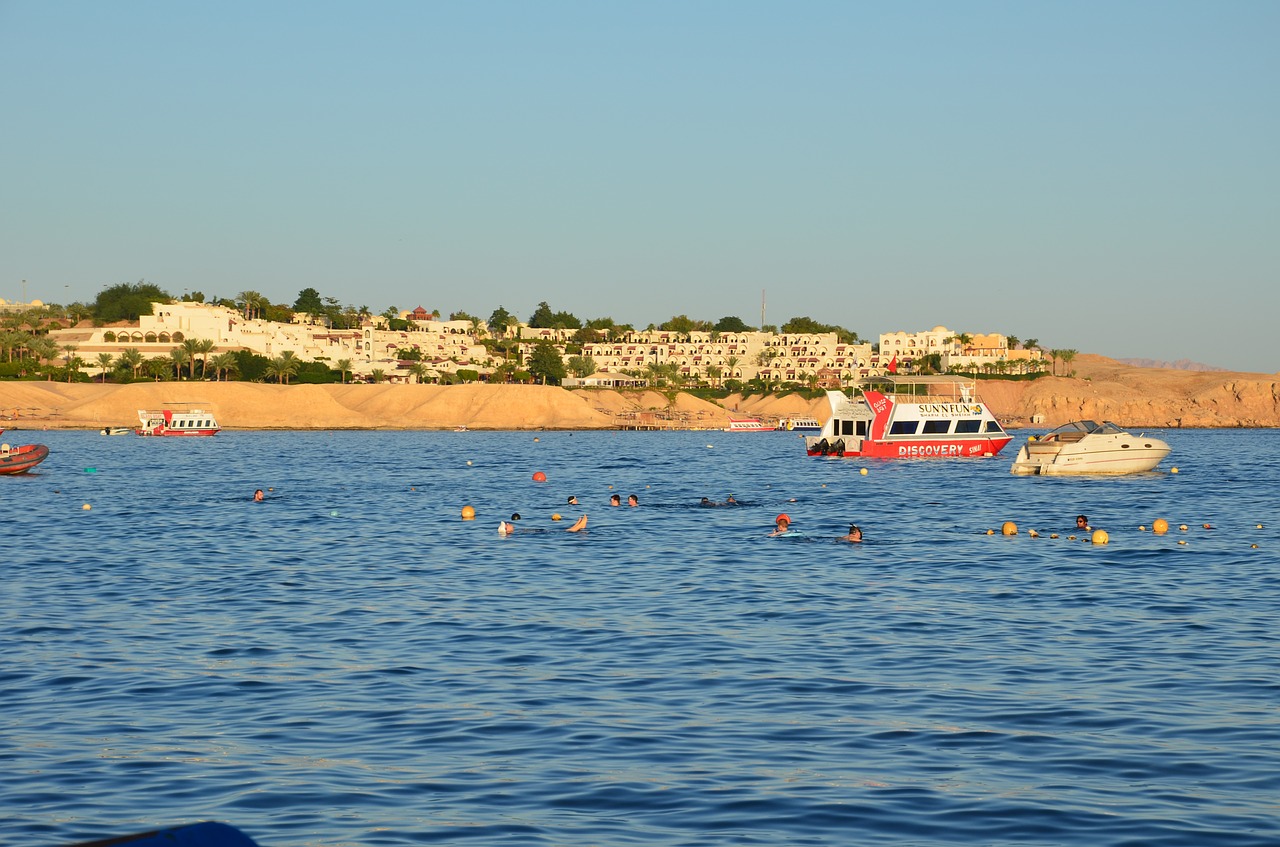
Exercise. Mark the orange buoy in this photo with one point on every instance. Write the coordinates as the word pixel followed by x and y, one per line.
pixel 539 477
pixel 1009 528
pixel 1100 536
pixel 1160 526
pixel 468 513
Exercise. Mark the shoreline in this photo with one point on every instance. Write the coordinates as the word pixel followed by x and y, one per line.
pixel 1101 389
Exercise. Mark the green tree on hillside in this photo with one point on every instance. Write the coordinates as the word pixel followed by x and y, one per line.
pixel 127 302
pixel 309 301
pixel 732 323
pixel 498 320
pixel 545 363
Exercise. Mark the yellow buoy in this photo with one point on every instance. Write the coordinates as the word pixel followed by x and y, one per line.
pixel 863 471
pixel 1182 541
pixel 468 513
pixel 1253 546
pixel 991 532
pixel 1053 535
pixel 1173 470
pixel 86 507
pixel 1100 536
pixel 1182 527
pixel 468 463
pixel 1142 529
pixel 1160 526
pixel 556 516
pixel 1033 533
pixel 1009 528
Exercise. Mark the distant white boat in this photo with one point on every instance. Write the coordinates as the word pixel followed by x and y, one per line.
pixel 804 425
pixel 1088 447
pixel 747 425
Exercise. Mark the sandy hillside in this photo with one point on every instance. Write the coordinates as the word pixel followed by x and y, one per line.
pixel 1101 389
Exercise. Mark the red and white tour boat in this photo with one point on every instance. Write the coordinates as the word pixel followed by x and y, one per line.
pixel 179 420
pixel 909 417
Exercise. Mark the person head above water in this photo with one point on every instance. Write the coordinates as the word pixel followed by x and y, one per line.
pixel 515 516
pixel 783 520
pixel 1082 522
pixel 855 533
pixel 573 500
pixel 615 500
pixel 705 501
pixel 258 495
pixel 633 500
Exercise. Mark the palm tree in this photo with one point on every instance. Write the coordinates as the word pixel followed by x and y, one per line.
pixel 179 357
pixel 104 362
pixel 282 367
pixel 419 371
pixel 224 363
pixel 131 358
pixel 713 373
pixel 74 364
pixel 343 365
pixel 732 363
pixel 191 347
pixel 157 366
pixel 377 374
pixel 1067 357
pixel 1053 360
pixel 204 347
pixel 251 302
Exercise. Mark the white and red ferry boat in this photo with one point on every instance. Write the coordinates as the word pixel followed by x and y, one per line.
pixel 909 417
pixel 180 419
pixel 747 425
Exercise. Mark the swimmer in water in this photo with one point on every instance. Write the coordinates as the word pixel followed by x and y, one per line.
pixel 573 501
pixel 1082 522
pixel 854 536
pixel 509 528
pixel 782 525
pixel 615 500
pixel 633 500
pixel 258 496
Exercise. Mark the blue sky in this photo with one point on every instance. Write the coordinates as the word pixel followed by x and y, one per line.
pixel 1097 175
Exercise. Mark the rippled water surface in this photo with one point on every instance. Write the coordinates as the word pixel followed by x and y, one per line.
pixel 349 663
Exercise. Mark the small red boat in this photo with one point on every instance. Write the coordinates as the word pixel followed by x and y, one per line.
pixel 16 460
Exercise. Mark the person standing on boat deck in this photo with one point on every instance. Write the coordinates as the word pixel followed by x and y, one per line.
pixel 633 500
pixel 258 496
pixel 615 500
pixel 854 535
pixel 782 524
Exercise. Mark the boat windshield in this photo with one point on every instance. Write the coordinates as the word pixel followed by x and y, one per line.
pixel 1082 427
pixel 1087 428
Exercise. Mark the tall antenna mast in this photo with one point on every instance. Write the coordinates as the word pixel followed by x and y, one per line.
pixel 762 310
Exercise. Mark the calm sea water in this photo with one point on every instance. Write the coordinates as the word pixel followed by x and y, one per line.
pixel 349 663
